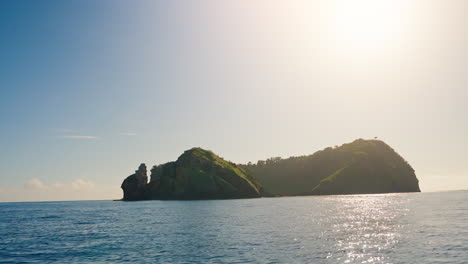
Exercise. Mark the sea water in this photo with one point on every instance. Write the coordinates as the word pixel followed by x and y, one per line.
pixel 382 228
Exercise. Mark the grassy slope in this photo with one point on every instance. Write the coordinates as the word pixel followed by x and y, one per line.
pixel 371 163
pixel 209 156
pixel 201 174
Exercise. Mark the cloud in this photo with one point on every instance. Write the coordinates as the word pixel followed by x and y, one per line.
pixel 129 134
pixel 79 137
pixel 34 184
pixel 76 185
pixel 80 184
pixel 72 134
pixel 79 189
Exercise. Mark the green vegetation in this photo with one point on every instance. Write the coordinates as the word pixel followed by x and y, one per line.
pixel 201 174
pixel 362 166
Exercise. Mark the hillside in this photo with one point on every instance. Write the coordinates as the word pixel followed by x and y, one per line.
pixel 196 174
pixel 362 166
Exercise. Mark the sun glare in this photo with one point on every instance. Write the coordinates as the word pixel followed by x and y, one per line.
pixel 366 26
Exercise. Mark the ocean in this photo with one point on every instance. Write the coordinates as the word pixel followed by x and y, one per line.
pixel 381 228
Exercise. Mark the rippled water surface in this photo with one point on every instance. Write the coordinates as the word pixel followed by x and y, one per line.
pixel 390 228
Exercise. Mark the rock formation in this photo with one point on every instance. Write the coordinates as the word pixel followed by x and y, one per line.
pixel 196 174
pixel 134 186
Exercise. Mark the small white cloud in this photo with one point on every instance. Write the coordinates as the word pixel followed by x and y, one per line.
pixel 36 190
pixel 80 184
pixel 129 134
pixel 34 184
pixel 79 137
pixel 76 185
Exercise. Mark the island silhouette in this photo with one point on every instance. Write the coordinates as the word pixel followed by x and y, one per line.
pixel 359 167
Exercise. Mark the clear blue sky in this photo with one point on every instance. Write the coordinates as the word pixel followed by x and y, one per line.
pixel 90 89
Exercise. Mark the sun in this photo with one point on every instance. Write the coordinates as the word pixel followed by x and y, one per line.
pixel 366 26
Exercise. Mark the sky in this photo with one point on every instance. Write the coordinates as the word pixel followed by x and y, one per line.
pixel 91 89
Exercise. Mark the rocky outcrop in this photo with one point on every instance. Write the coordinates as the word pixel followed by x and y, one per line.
pixel 196 174
pixel 135 185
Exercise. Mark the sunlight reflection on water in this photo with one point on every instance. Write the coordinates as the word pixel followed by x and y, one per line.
pixel 390 228
pixel 365 228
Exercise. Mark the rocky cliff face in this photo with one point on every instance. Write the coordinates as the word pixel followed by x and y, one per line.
pixel 135 185
pixel 197 174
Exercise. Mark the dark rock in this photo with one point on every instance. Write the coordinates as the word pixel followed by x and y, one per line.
pixel 134 186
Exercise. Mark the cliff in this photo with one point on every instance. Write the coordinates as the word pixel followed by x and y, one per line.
pixel 135 185
pixel 196 174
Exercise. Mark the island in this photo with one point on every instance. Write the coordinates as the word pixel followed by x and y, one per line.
pixel 359 167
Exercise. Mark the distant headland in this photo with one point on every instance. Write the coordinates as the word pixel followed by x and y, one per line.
pixel 359 167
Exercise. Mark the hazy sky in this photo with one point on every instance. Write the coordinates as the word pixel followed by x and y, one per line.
pixel 90 89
